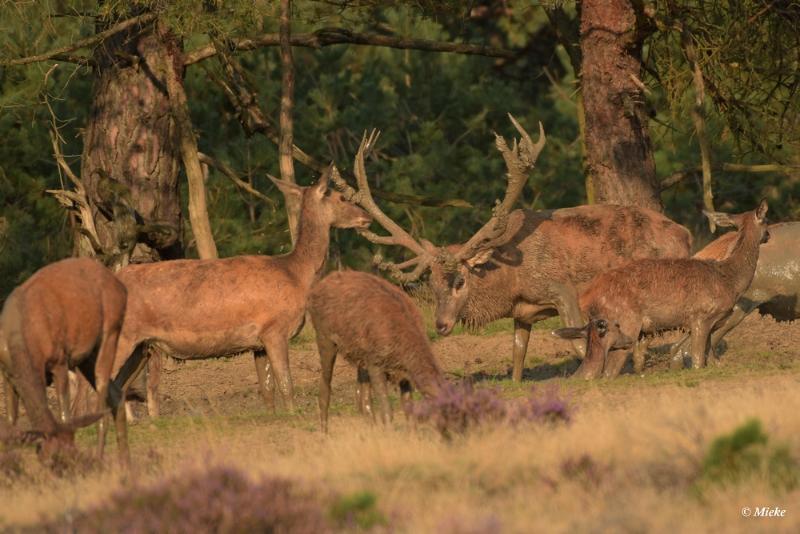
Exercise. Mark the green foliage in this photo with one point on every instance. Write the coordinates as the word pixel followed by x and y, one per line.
pixel 437 113
pixel 358 509
pixel 745 453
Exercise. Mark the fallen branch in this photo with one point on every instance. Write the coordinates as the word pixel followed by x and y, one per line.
pixel 82 43
pixel 335 36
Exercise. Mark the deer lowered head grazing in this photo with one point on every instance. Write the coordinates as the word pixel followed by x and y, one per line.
pixel 383 334
pixel 524 264
pixel 649 296
pixel 209 308
pixel 68 314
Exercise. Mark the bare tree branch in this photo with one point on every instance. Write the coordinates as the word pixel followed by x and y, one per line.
pixel 254 120
pixel 231 174
pixel 334 36
pixel 82 43
pixel 681 175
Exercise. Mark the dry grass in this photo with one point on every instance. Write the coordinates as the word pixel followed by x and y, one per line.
pixel 628 462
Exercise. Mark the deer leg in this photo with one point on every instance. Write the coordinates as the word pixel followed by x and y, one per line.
pixel 265 382
pixel 154 365
pixel 12 402
pixel 615 361
pixel 740 311
pixel 327 358
pixel 364 392
pixel 405 396
pixel 639 353
pixel 522 334
pixel 378 380
pixel 61 382
pixel 118 410
pixel 566 303
pixel 102 378
pixel 278 354
pixel 700 335
pixel 676 352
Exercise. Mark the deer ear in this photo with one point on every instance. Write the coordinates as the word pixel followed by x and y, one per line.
pixel 479 258
pixel 720 219
pixel 761 210
pixel 573 332
pixel 322 185
pixel 287 188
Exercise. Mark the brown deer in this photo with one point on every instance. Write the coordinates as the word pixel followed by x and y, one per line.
pixel 650 296
pixel 67 315
pixel 376 327
pixel 524 264
pixel 197 309
pixel 775 289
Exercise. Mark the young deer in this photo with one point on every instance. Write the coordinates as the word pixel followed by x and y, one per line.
pixel 649 296
pixel 775 289
pixel 376 327
pixel 67 315
pixel 196 309
pixel 524 264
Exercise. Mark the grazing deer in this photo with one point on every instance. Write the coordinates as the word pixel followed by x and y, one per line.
pixel 376 327
pixel 197 309
pixel 67 315
pixel 650 296
pixel 775 289
pixel 524 264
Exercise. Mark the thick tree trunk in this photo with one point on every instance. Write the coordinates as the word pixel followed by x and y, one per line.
pixel 131 156
pixel 619 155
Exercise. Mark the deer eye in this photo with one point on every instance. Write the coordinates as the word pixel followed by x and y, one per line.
pixel 458 283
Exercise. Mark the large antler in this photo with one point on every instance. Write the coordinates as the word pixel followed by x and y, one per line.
pixel 520 159
pixel 363 197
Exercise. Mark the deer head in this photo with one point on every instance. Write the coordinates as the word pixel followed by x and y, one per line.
pixel 756 217
pixel 452 267
pixel 329 206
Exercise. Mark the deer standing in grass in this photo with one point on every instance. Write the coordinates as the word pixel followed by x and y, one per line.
pixel 525 264
pixel 374 326
pixel 650 296
pixel 196 309
pixel 68 315
pixel 775 289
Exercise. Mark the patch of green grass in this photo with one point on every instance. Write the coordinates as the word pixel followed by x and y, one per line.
pixel 358 509
pixel 745 453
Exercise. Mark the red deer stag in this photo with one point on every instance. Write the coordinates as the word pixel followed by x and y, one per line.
pixel 374 326
pixel 650 296
pixel 775 288
pixel 197 309
pixel 67 315
pixel 524 264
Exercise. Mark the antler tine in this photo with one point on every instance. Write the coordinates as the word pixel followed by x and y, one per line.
pixel 397 236
pixel 519 160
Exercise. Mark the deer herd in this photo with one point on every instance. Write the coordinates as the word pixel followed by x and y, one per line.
pixel 615 275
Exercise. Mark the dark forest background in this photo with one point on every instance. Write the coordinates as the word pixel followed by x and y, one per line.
pixel 436 111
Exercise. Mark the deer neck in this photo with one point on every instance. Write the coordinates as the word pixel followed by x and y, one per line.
pixel 740 265
pixel 311 248
pixel 490 298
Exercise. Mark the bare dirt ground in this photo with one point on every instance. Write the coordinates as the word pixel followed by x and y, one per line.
pixel 228 386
